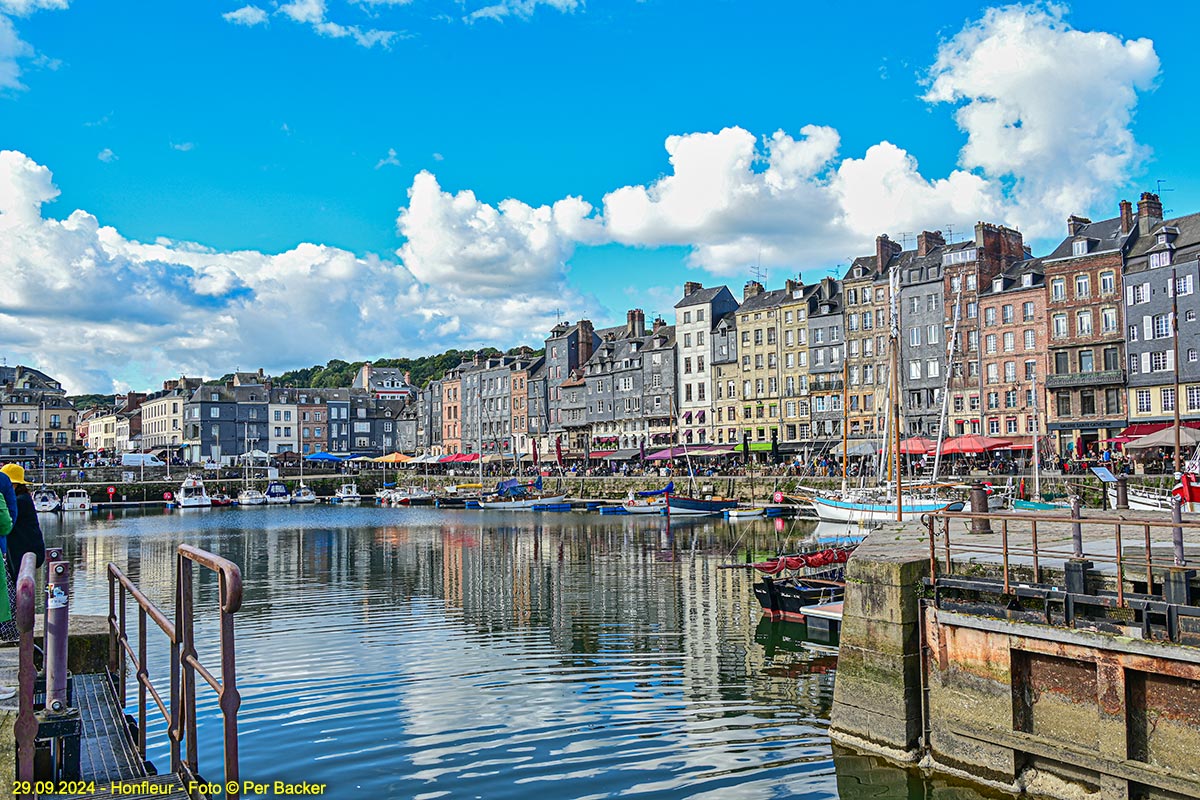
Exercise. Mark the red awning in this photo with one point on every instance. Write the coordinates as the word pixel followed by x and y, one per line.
pixel 1147 428
pixel 603 453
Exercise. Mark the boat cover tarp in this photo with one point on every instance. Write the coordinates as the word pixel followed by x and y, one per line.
pixel 670 487
pixel 823 558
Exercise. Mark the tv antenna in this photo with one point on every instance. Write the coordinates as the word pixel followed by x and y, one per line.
pixel 904 237
pixel 949 233
pixel 558 314
pixel 1158 188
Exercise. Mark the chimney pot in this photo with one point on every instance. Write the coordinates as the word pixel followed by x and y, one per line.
pixel 1126 216
pixel 1150 212
pixel 928 241
pixel 751 289
pixel 690 287
pixel 1076 224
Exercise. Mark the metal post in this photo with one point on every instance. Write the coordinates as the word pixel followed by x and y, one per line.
pixel 979 505
pixel 1122 493
pixel 57 611
pixel 1177 531
pixel 1076 528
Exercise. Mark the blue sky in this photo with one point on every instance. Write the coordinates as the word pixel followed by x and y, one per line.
pixel 169 121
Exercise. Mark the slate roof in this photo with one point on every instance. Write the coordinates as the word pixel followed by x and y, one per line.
pixel 1105 236
pixel 701 296
pixel 1189 235
pixel 763 300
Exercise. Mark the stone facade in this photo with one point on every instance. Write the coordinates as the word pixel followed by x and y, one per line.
pixel 695 315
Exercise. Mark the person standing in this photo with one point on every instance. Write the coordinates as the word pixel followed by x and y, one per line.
pixel 26 535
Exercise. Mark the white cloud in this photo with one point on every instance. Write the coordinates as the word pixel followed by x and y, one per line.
pixel 107 155
pixel 389 160
pixel 1045 104
pixel 13 48
pixel 521 8
pixel 247 15
pixel 22 8
pixel 183 147
pixel 95 308
pixel 438 157
pixel 312 13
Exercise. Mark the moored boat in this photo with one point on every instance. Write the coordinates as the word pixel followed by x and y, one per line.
pixel 303 495
pixel 347 493
pixel 792 584
pixel 277 494
pixel 654 502
pixel 251 497
pixel 696 507
pixel 745 512
pixel 76 500
pixel 831 509
pixel 46 499
pixel 221 500
pixel 191 493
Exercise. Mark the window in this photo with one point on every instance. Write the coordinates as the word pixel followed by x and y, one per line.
pixel 989 343
pixel 1010 371
pixel 1087 361
pixel 1110 358
pixel 993 426
pixel 1168 399
pixel 687 316
pixel 1030 339
pixel 1143 401
pixel 1010 342
pixel 687 340
pixel 993 373
pixel 1030 370
pixel 1191 355
pixel 1027 311
pixel 1162 326
pixel 972 310
pixel 1158 361
pixel 914 370
pixel 1087 403
pixel 1108 320
pixel 1006 314
pixel 971 285
pixel 1112 401
pixel 1193 398
pixel 214 412
pixel 1083 286
pixel 1183 285
pixel 1133 333
pixel 1010 398
pixel 932 368
pixel 1139 293
pixel 914 336
pixel 1058 289
pixel 1134 364
pixel 1062 402
pixel 1108 282
pixel 1062 363
pixel 989 316
pixel 1083 323
pixel 932 334
pixel 1060 326
pixel 1160 259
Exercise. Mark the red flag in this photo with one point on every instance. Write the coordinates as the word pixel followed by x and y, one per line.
pixel 535 453
pixel 558 449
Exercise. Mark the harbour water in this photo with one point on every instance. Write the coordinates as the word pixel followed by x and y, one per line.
pixel 422 653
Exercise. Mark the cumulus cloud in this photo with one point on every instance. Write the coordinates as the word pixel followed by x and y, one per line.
pixel 13 48
pixel 520 8
pixel 95 308
pixel 247 15
pixel 107 155
pixel 313 14
pixel 23 8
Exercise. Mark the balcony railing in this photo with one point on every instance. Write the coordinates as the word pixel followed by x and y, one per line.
pixel 1085 379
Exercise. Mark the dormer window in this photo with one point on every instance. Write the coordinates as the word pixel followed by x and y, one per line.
pixel 998 285
pixel 1079 247
pixel 1027 279
pixel 1161 259
pixel 1162 238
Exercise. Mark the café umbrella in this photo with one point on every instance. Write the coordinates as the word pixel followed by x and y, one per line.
pixel 972 443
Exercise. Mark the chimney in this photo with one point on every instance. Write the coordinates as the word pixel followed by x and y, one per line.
pixel 1075 224
pixel 1150 212
pixel 635 323
pixel 477 359
pixel 928 241
pixel 885 248
pixel 1126 216
pixel 690 287
pixel 751 289
pixel 659 324
pixel 791 286
pixel 586 332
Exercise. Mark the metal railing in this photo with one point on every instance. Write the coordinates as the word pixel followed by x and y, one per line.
pixel 26 727
pixel 179 711
pixel 1022 539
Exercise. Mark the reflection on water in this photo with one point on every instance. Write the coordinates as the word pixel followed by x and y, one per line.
pixel 427 653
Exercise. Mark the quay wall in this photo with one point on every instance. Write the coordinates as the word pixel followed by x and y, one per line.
pixel 1034 709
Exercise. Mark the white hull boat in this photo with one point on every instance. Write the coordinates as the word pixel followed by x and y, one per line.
pixel 277 494
pixel 745 513
pixel 191 494
pixel 834 510
pixel 522 503
pixel 347 493
pixel 46 500
pixel 251 497
pixel 656 506
pixel 303 496
pixel 1145 499
pixel 76 500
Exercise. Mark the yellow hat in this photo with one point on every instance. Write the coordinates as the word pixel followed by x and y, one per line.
pixel 15 472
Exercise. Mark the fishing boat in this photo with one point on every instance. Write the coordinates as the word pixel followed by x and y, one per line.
pixel 221 500
pixel 303 495
pixel 46 499
pixel 191 494
pixel 76 500
pixel 653 502
pixel 347 493
pixel 277 494
pixel 411 496
pixel 251 497
pixel 791 584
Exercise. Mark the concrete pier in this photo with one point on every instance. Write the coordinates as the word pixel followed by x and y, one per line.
pixel 996 689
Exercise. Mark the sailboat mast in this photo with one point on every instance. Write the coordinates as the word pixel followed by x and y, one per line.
pixel 951 351
pixel 1037 457
pixel 894 285
pixel 1175 357
pixel 845 411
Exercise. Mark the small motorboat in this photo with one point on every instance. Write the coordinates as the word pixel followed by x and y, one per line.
pixel 654 502
pixel 251 497
pixel 76 500
pixel 745 512
pixel 411 496
pixel 277 494
pixel 347 493
pixel 46 499
pixel 221 500
pixel 191 494
pixel 303 495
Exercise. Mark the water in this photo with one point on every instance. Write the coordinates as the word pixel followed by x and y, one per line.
pixel 413 653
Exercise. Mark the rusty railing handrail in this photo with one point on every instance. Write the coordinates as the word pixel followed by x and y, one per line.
pixel 180 712
pixel 26 727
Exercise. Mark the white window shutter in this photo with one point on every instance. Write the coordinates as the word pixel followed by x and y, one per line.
pixel 1145 362
pixel 1146 292
pixel 1170 287
pixel 1171 362
pixel 1128 295
pixel 1148 327
pixel 1171 322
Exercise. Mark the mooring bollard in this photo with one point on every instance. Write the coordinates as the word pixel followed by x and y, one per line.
pixel 58 587
pixel 1177 532
pixel 979 505
pixel 1122 494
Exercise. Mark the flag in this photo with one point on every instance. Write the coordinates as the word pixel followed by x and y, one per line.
pixel 535 453
pixel 643 448
pixel 558 449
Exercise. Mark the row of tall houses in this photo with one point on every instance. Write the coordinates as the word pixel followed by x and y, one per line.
pixel 35 416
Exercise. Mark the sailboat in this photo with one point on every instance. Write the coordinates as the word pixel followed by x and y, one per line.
pixel 1037 504
pixel 249 496
pixel 691 506
pixel 46 499
pixel 652 502
pixel 889 501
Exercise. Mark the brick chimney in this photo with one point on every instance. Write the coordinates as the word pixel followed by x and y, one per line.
pixel 477 359
pixel 690 287
pixel 586 332
pixel 1126 216
pixel 635 323
pixel 659 324
pixel 751 289
pixel 792 286
pixel 1150 212
pixel 929 240
pixel 885 248
pixel 1075 224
